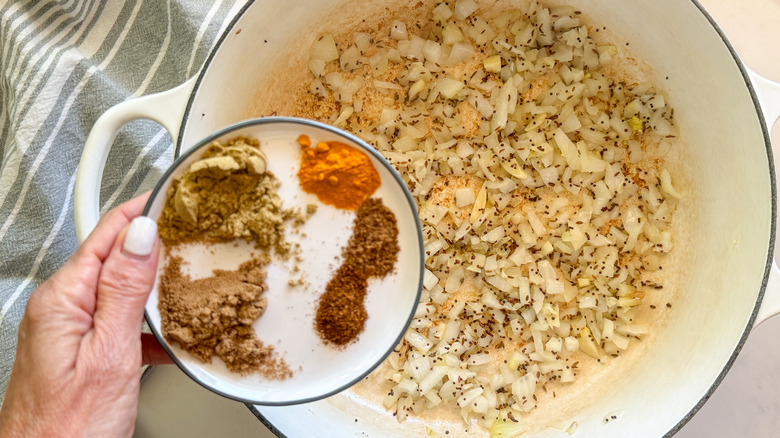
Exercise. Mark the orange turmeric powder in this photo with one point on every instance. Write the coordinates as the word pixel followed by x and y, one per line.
pixel 339 175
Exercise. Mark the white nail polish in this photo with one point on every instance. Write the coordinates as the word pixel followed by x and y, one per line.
pixel 140 237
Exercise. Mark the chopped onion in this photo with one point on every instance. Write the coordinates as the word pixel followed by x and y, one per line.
pixel 460 52
pixel 398 31
pixel 666 185
pixel 324 49
pixel 492 63
pixel 317 66
pixel 534 173
pixel 442 12
pixel 449 88
pixel 464 8
pixel 504 428
pixel 432 51
pixel 464 197
pixel 452 34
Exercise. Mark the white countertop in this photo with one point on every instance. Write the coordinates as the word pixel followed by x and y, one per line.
pixel 747 403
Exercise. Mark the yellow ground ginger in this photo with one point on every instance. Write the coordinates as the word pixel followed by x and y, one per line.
pixel 225 195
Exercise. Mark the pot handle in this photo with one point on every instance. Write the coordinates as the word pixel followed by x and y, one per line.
pixel 768 94
pixel 166 108
pixel 770 305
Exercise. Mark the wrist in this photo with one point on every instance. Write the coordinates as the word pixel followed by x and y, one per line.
pixel 29 422
pixel 15 424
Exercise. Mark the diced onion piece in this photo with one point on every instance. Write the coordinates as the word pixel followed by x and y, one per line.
pixel 620 341
pixel 505 428
pixel 433 378
pixel 318 88
pixel 415 89
pixel 587 343
pixel 452 34
pixel 442 12
pixel 416 48
pixel 405 144
pixel 418 341
pixel 387 85
pixel 549 175
pixel 317 66
pixel 666 185
pixel 460 52
pixel 432 51
pixel 514 168
pixel 406 386
pixel 429 280
pixel 345 113
pixel 479 359
pixel 524 387
pixel 571 344
pixel 608 330
pixel 494 235
pixel 464 8
pixel 324 49
pixel 463 197
pixel 479 203
pixel 568 149
pixel 433 247
pixel 398 31
pixel 449 88
pixel 492 63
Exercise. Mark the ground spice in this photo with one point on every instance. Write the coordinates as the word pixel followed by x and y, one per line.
pixel 371 252
pixel 338 174
pixel 225 195
pixel 373 247
pixel 213 316
pixel 341 315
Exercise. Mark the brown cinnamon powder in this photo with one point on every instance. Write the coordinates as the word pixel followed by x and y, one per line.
pixel 372 251
pixel 213 316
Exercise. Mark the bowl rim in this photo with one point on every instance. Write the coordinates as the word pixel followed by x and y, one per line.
pixel 367 149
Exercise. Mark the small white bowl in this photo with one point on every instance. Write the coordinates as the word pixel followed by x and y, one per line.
pixel 288 322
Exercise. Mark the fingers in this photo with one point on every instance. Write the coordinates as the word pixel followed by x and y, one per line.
pixel 101 239
pixel 78 277
pixel 126 279
pixel 70 294
pixel 152 352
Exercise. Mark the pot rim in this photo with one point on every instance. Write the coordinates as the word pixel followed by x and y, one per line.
pixel 773 222
pixel 773 189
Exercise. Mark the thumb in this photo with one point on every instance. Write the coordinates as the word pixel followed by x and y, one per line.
pixel 127 277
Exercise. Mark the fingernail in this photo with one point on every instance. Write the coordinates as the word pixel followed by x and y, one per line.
pixel 140 237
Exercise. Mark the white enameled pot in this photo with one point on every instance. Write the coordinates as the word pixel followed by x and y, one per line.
pixel 725 280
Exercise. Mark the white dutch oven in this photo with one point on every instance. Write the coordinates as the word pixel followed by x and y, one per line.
pixel 727 280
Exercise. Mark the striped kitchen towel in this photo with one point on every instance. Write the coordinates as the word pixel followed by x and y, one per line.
pixel 62 64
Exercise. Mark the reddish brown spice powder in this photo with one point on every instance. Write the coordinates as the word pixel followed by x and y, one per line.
pixel 371 252
pixel 342 315
pixel 213 316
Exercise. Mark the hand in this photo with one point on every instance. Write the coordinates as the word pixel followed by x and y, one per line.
pixel 78 360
